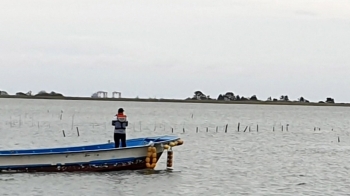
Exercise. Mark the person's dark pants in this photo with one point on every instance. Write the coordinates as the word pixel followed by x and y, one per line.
pixel 118 137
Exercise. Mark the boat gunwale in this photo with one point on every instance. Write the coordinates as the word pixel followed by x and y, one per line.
pixel 174 138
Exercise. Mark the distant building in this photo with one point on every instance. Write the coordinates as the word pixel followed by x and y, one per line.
pixel 115 94
pixel 104 94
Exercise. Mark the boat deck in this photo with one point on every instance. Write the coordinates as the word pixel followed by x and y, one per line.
pixel 131 143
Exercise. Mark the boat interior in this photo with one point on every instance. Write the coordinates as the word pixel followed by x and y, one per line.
pixel 130 143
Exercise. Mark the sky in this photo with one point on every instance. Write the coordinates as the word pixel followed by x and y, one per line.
pixel 172 48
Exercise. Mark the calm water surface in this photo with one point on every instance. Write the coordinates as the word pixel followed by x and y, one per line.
pixel 299 161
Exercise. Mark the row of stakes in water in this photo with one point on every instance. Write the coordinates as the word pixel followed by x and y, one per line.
pixel 197 129
pixel 238 128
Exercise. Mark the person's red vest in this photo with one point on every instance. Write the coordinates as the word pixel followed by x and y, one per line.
pixel 121 117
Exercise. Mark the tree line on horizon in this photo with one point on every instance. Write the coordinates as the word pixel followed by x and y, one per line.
pixel 230 96
pixel 198 95
pixel 29 93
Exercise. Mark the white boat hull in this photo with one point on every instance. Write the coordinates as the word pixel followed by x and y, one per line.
pixel 102 157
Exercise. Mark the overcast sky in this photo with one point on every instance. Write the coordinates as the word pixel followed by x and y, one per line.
pixel 171 48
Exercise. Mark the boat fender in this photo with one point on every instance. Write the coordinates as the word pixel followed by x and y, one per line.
pixel 151 153
pixel 169 159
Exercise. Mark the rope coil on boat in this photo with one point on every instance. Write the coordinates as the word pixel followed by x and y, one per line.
pixel 151 159
pixel 172 144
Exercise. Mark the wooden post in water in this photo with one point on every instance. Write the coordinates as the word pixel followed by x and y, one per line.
pixel 238 127
pixel 257 128
pixel 282 128
pixel 226 128
pixel 184 129
pixel 273 128
pixel 78 132
pixel 338 139
pixel 61 115
pixel 197 130
pixel 172 130
pixel 72 122
pixel 249 128
pixel 245 128
pixel 216 129
pixel 207 129
pixel 64 135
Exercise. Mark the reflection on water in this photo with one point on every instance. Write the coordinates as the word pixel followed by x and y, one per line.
pixel 300 161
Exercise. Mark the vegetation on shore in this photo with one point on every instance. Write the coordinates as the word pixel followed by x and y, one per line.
pixel 29 94
pixel 230 96
pixel 198 97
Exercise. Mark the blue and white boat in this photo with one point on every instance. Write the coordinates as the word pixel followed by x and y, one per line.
pixel 89 158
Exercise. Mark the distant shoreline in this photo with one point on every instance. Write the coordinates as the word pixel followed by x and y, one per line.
pixel 295 103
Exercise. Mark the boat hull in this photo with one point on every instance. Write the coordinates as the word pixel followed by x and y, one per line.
pixel 110 165
pixel 91 158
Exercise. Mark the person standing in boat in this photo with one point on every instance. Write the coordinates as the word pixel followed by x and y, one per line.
pixel 120 123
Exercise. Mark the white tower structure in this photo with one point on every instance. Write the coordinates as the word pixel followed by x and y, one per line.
pixel 115 94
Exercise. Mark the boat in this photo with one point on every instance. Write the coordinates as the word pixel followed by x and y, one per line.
pixel 140 153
